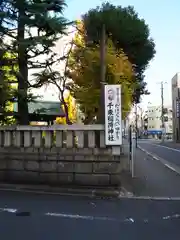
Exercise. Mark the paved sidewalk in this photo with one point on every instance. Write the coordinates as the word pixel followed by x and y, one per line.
pixel 154 179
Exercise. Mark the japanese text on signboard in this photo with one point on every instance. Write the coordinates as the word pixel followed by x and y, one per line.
pixel 113 114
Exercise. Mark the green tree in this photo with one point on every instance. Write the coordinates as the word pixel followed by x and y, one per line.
pixel 84 69
pixel 29 29
pixel 128 32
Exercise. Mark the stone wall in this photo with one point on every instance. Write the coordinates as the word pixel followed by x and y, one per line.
pixel 60 155
pixel 61 166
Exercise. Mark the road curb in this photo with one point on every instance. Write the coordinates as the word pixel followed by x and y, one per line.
pixel 90 192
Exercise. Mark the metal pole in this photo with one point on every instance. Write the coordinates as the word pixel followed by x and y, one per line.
pixel 132 159
pixel 142 130
pixel 136 126
pixel 162 110
pixel 103 72
pixel 130 147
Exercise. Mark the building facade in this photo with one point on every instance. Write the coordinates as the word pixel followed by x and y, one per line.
pixel 153 121
pixel 175 83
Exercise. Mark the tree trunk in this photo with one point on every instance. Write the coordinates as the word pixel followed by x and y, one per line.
pixel 65 109
pixel 23 115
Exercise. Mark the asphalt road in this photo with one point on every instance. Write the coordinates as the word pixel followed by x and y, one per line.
pixel 49 217
pixel 154 177
pixel 166 151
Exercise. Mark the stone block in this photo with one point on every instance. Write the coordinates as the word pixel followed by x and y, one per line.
pixel 65 167
pixel 28 149
pixel 52 156
pixel 115 179
pixel 83 167
pixel 53 150
pixel 23 176
pixel 44 150
pixel 2 175
pixel 31 156
pixel 48 166
pixel 117 158
pixel 103 158
pixel 90 158
pixel 32 165
pixel 15 165
pixel 61 158
pixel 74 151
pixel 3 164
pixel 42 157
pixel 31 177
pixel 108 168
pixel 14 150
pixel 92 179
pixel 2 156
pixel 66 151
pixel 79 158
pixel 85 151
pixel 65 178
pixel 69 158
pixel 102 151
pixel 48 178
pixel 4 150
pixel 17 156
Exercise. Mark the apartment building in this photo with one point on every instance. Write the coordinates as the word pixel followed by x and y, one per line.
pixel 175 83
pixel 154 122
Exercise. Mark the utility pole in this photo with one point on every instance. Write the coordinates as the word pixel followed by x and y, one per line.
pixel 103 72
pixel 162 110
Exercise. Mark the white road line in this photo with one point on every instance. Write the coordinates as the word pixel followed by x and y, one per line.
pixel 155 198
pixel 162 146
pixel 91 218
pixel 77 216
pixel 163 161
pixel 129 219
pixel 173 169
pixel 10 210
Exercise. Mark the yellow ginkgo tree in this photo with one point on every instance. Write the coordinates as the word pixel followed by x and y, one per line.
pixel 8 86
pixel 85 69
pixel 71 108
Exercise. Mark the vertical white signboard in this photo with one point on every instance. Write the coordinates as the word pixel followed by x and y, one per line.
pixel 113 116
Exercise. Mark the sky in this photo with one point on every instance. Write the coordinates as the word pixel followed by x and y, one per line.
pixel 163 19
